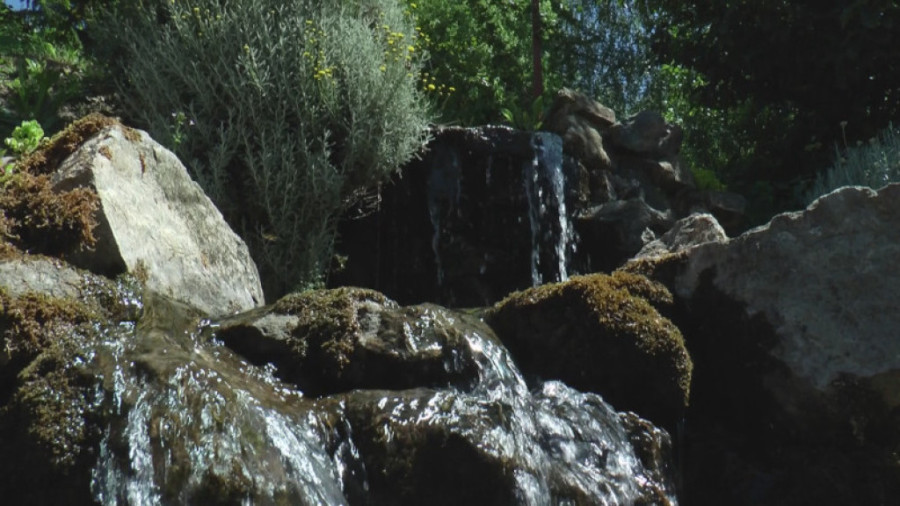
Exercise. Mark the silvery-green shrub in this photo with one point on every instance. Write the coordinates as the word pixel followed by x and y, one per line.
pixel 873 164
pixel 285 112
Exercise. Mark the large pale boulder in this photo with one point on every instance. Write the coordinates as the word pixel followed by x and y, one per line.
pixel 794 331
pixel 157 223
pixel 825 280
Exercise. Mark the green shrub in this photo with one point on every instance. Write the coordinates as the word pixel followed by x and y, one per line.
pixel 874 165
pixel 285 112
pixel 42 70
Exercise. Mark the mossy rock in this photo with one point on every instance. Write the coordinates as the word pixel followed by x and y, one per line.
pixel 332 341
pixel 47 419
pixel 37 218
pixel 328 326
pixel 49 431
pixel 50 419
pixel 601 333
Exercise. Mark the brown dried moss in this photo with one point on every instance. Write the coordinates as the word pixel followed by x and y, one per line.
pixel 328 327
pixel 29 323
pixel 40 220
pixel 48 157
pixel 37 219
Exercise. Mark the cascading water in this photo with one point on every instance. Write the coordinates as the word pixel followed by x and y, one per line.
pixel 190 422
pixel 551 232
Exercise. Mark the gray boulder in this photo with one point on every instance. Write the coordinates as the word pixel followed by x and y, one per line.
pixel 615 231
pixel 156 223
pixel 687 232
pixel 825 279
pixel 581 122
pixel 647 133
pixel 794 330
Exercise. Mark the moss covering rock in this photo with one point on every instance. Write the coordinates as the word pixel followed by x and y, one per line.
pixel 50 419
pixel 333 341
pixel 601 333
pixel 37 218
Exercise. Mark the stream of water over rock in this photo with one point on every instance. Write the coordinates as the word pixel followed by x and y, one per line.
pixel 551 230
pixel 540 184
pixel 191 422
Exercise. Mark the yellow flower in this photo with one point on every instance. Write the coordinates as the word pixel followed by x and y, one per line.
pixel 246 48
pixel 430 87
pixel 382 68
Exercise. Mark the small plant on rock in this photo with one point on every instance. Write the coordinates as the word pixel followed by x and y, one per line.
pixel 25 139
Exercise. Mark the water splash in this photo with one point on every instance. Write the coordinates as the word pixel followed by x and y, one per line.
pixel 191 420
pixel 565 447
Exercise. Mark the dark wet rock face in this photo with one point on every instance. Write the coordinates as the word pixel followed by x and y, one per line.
pixel 484 212
pixel 489 210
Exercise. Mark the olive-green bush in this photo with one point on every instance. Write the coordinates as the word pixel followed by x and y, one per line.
pixel 285 112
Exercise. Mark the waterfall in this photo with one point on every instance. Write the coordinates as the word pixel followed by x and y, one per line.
pixel 444 182
pixel 551 231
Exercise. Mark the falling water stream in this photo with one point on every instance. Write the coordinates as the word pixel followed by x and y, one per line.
pixel 191 422
pixel 551 232
pixel 530 174
pixel 191 419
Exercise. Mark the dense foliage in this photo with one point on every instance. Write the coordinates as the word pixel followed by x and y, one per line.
pixel 285 112
pixel 480 56
pixel 785 76
pixel 43 71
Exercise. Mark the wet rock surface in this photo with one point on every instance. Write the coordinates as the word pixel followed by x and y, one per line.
pixel 482 213
pixel 459 423
pixel 160 410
